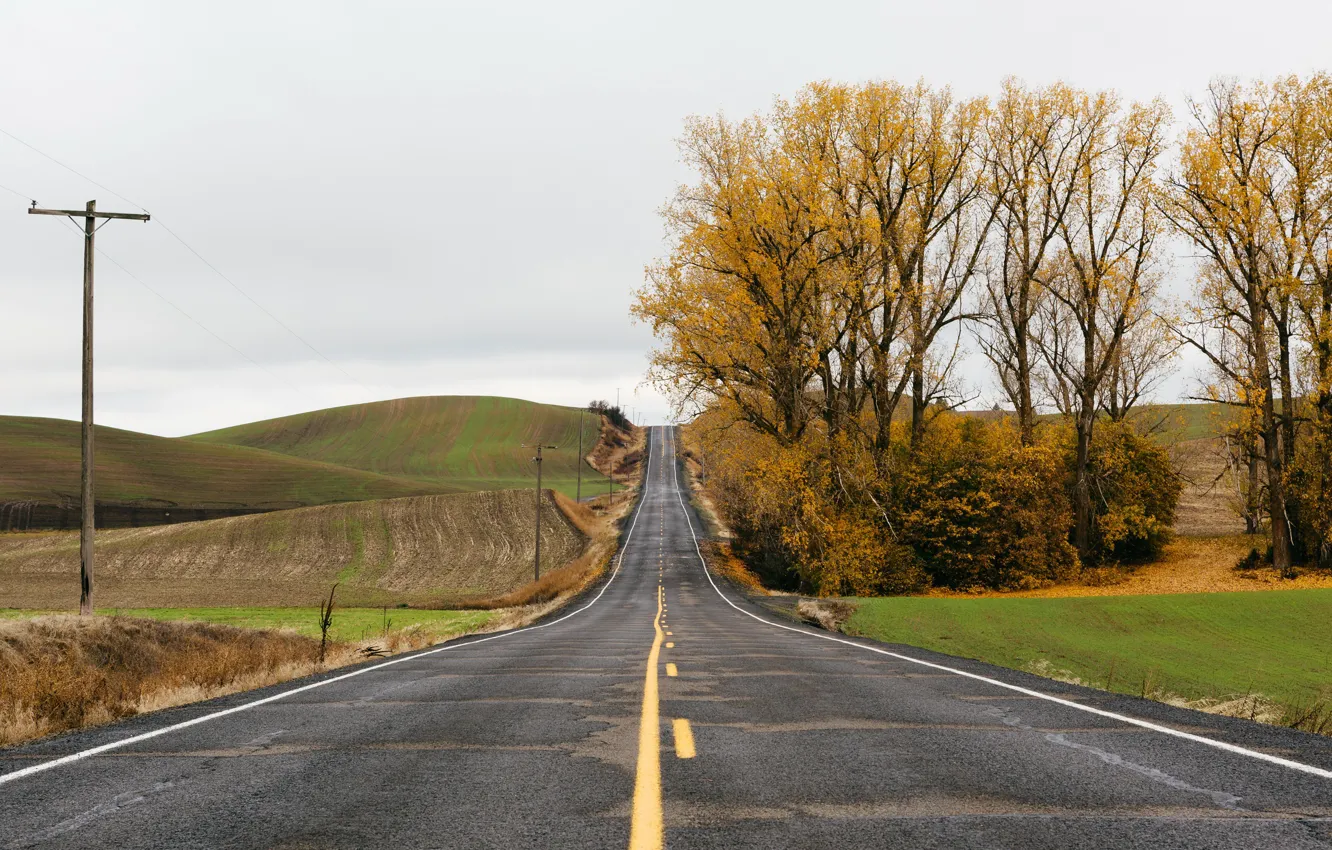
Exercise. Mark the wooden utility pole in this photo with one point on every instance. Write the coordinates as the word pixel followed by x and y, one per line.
pixel 536 562
pixel 87 506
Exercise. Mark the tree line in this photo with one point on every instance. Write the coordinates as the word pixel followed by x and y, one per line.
pixel 833 258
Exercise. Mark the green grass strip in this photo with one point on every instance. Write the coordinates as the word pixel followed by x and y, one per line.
pixel 349 624
pixel 1277 643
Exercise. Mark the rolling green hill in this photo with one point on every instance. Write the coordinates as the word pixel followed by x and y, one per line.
pixel 407 447
pixel 1181 422
pixel 39 462
pixel 463 442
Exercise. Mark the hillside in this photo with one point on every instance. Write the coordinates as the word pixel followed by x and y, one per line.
pixel 432 549
pixel 39 468
pixel 463 442
pixel 1183 422
pixel 389 449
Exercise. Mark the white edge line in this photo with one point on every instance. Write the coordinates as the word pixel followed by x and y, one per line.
pixel 125 742
pixel 1123 718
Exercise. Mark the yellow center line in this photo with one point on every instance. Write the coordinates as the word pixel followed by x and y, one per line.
pixel 671 669
pixel 645 827
pixel 684 738
pixel 670 644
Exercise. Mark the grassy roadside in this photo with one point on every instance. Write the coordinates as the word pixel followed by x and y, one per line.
pixel 1262 655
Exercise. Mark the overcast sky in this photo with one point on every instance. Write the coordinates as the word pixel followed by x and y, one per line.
pixel 449 197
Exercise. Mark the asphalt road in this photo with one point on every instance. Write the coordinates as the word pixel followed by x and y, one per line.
pixel 665 710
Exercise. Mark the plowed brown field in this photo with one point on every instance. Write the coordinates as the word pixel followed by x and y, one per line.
pixel 437 550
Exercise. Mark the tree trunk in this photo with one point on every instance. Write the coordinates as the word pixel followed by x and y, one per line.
pixel 1276 501
pixel 917 402
pixel 918 350
pixel 1324 426
pixel 1251 506
pixel 1286 420
pixel 1026 411
pixel 831 401
pixel 1325 484
pixel 1287 384
pixel 1082 501
pixel 1276 485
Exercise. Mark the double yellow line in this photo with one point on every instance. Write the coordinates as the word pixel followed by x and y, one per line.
pixel 646 831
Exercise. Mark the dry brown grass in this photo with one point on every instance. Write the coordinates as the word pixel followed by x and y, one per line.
pixel 63 672
pixel 566 580
pixel 699 495
pixel 557 586
pixel 621 451
pixel 583 518
pixel 828 613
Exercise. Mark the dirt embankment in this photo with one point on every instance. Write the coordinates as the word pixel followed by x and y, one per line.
pixel 619 454
pixel 436 549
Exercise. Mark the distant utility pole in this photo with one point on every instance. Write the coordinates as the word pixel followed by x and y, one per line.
pixel 578 497
pixel 86 503
pixel 536 564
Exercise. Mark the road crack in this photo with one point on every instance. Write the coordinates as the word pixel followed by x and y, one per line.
pixel 116 804
pixel 1224 799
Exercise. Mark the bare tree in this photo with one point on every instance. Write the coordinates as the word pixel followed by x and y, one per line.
pixel 1141 363
pixel 1108 264
pixel 1035 138
pixel 1221 199
pixel 919 166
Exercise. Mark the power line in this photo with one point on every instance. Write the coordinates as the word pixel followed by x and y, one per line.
pixel 182 311
pixel 67 168
pixel 261 307
pixel 191 249
pixel 18 193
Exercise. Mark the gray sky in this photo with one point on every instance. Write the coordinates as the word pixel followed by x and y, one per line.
pixel 450 197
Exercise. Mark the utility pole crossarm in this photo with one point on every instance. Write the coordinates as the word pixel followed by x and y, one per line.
pixel 87 213
pixel 87 501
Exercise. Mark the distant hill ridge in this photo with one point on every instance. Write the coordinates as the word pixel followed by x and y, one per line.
pixel 431 438
pixel 404 447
